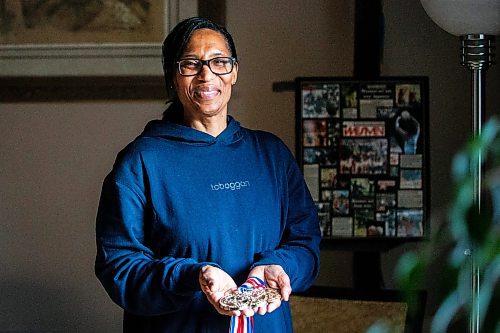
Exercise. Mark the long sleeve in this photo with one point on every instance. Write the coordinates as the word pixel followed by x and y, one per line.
pixel 298 252
pixel 134 276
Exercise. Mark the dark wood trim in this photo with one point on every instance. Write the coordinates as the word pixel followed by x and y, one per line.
pixel 68 88
pixel 368 38
pixel 368 49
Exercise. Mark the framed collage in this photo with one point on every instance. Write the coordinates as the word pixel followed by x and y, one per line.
pixel 363 148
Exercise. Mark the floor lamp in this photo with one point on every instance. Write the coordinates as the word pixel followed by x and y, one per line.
pixel 476 22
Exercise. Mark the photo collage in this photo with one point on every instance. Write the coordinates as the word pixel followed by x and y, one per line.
pixel 362 149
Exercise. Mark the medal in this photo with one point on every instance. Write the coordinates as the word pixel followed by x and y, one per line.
pixel 251 294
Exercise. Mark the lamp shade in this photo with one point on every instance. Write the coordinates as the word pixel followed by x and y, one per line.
pixel 465 17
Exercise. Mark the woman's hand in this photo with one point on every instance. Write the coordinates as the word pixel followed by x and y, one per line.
pixel 276 278
pixel 215 283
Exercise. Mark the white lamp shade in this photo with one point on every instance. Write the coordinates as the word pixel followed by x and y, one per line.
pixel 465 17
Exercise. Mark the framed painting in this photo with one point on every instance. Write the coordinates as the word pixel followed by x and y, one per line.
pixel 49 49
pixel 363 148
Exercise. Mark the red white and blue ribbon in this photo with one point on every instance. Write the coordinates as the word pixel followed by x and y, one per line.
pixel 242 324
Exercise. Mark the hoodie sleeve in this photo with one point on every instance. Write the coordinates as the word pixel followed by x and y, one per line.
pixel 298 253
pixel 132 275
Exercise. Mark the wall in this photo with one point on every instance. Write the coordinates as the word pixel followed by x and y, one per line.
pixel 55 155
pixel 54 158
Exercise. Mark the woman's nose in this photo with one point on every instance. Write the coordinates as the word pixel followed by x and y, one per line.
pixel 205 71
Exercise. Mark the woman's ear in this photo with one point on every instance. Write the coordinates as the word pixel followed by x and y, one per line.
pixel 235 74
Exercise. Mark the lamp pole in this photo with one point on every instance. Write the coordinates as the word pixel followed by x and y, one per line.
pixel 477 56
pixel 476 22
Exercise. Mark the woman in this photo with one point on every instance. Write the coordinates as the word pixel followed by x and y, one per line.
pixel 197 204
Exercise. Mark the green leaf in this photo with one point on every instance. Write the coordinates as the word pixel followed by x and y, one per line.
pixel 460 166
pixel 380 327
pixel 446 312
pixel 410 272
pixel 472 236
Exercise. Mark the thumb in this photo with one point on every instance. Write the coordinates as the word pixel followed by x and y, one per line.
pixel 285 287
pixel 286 290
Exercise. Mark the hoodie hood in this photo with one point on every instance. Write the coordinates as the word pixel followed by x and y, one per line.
pixel 180 133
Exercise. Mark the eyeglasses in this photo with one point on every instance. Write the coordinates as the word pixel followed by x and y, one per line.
pixel 218 65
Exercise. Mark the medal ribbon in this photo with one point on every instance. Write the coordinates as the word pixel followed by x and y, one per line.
pixel 242 324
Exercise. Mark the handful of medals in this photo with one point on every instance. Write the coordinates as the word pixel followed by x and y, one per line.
pixel 249 299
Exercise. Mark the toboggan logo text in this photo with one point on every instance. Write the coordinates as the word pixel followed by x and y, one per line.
pixel 230 186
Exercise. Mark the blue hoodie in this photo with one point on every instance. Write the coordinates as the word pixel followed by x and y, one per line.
pixel 178 199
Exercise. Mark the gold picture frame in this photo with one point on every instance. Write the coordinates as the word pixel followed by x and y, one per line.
pixel 96 65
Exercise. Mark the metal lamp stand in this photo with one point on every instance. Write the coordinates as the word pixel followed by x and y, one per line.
pixel 477 55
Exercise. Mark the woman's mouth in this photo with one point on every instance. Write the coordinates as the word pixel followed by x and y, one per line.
pixel 207 93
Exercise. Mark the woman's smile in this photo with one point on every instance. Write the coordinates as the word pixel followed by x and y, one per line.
pixel 206 93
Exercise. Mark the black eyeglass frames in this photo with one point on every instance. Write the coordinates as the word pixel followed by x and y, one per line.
pixel 218 65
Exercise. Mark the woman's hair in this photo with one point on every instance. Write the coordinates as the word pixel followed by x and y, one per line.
pixel 172 50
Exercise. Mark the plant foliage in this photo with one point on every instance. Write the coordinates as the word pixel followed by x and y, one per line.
pixel 470 238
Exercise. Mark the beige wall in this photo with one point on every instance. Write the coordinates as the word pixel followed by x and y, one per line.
pixel 55 155
pixel 53 160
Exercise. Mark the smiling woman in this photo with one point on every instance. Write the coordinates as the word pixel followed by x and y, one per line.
pixel 179 226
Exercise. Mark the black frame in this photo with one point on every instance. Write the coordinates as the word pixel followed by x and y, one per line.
pixel 368 176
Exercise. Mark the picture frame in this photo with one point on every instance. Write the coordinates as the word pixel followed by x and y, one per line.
pixel 52 70
pixel 363 148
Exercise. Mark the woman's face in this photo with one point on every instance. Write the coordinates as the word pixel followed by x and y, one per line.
pixel 205 94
